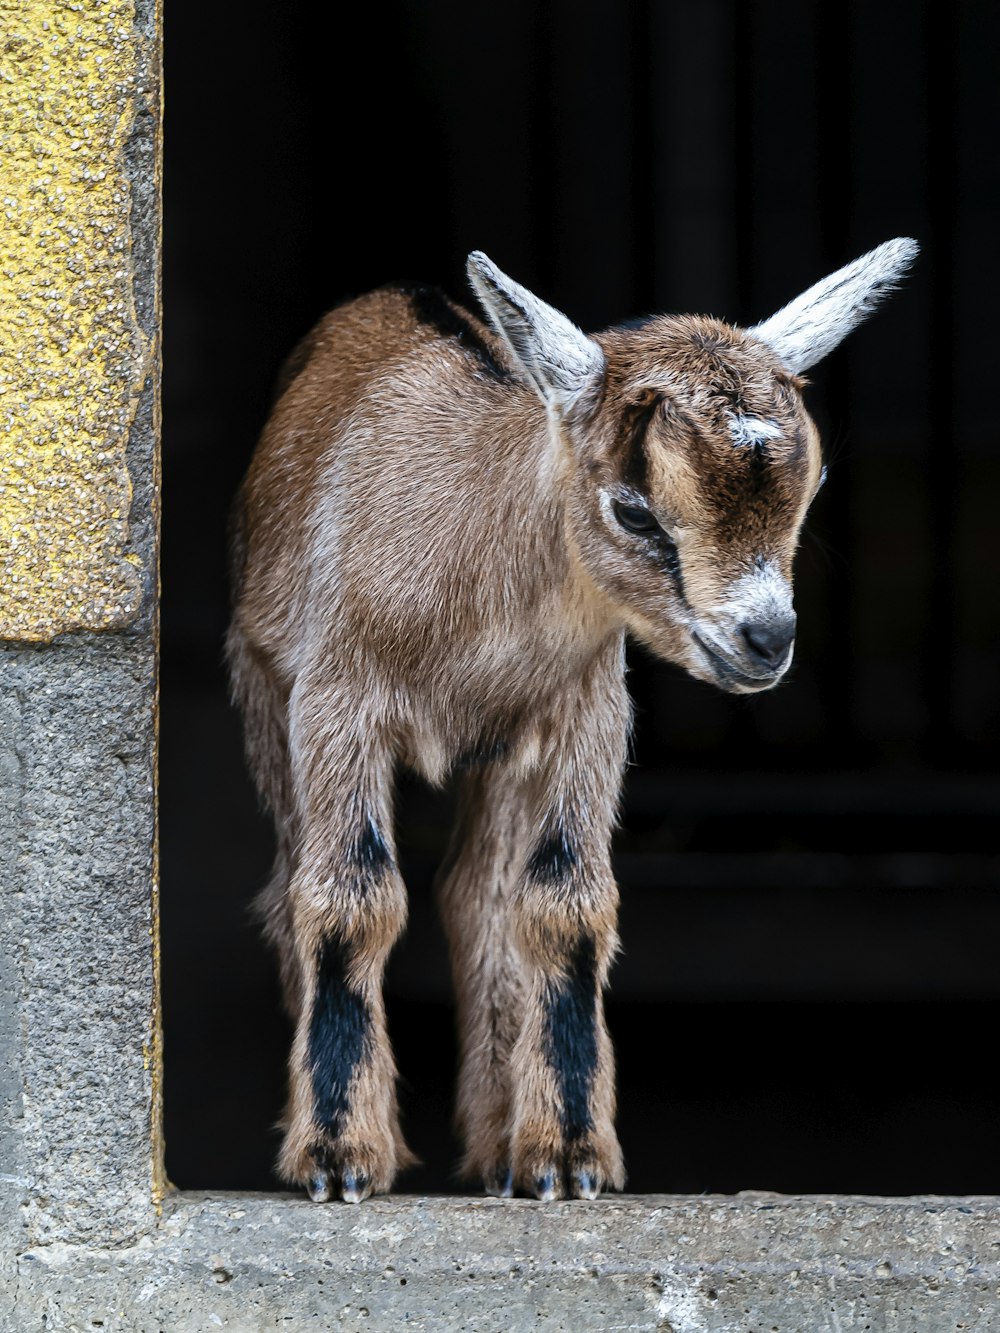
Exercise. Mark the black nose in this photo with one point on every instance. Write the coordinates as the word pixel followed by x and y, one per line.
pixel 770 641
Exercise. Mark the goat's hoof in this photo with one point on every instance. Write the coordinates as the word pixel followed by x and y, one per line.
pixel 499 1183
pixel 354 1187
pixel 318 1186
pixel 584 1184
pixel 580 1183
pixel 349 1171
pixel 549 1186
pixel 581 1169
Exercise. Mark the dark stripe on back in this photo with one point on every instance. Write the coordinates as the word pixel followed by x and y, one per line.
pixel 338 1035
pixel 432 307
pixel 571 1037
pixel 636 322
pixel 554 857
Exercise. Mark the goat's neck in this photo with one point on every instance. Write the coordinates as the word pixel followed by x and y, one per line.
pixel 588 614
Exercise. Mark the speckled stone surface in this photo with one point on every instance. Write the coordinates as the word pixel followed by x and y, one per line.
pixel 78 1015
pixel 77 83
pixel 749 1264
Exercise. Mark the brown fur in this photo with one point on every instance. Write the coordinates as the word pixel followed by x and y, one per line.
pixel 426 576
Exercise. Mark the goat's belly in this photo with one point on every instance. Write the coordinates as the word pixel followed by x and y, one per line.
pixel 436 753
pixel 478 717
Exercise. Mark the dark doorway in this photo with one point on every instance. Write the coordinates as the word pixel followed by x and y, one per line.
pixel 810 884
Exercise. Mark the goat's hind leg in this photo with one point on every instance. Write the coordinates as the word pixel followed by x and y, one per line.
pixel 475 885
pixel 263 704
pixel 347 909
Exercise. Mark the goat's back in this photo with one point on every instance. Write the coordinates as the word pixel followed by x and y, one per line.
pixel 385 507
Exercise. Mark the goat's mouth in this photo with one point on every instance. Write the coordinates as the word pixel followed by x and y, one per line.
pixel 731 676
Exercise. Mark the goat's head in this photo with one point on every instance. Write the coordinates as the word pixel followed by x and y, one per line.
pixel 692 459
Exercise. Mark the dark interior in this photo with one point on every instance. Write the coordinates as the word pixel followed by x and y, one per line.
pixel 808 992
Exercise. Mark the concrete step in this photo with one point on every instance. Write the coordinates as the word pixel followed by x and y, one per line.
pixel 756 1263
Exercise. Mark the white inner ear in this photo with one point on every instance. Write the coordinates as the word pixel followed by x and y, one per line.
pixel 559 361
pixel 806 329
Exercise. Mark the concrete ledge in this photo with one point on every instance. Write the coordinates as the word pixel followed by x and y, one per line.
pixel 715 1264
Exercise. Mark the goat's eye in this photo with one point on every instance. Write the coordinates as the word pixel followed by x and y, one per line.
pixel 635 518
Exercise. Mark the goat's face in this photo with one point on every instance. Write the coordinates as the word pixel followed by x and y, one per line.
pixel 692 459
pixel 693 474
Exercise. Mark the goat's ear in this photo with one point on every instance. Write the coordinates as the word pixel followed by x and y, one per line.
pixel 812 325
pixel 557 359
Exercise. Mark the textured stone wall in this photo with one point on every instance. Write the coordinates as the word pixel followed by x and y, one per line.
pixel 79 496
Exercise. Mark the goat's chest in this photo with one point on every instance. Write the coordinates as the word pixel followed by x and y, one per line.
pixel 495 698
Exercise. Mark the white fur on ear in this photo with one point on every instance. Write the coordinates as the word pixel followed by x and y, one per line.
pixel 812 325
pixel 558 359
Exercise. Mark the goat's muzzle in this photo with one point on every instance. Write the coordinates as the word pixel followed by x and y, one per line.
pixel 759 660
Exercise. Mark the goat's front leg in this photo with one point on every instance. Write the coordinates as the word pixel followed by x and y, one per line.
pixel 348 907
pixel 564 916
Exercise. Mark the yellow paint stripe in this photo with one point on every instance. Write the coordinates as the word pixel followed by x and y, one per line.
pixel 72 357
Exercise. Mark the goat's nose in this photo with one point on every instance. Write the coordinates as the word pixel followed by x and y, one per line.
pixel 770 640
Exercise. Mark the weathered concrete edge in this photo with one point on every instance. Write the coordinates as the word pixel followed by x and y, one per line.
pixel 685 1265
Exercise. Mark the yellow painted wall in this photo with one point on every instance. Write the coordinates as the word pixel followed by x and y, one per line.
pixel 72 357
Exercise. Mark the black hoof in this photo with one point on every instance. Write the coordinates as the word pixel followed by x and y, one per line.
pixel 546 1187
pixel 319 1187
pixel 585 1185
pixel 355 1187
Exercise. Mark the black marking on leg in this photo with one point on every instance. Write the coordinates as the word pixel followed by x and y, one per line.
pixel 339 1033
pixel 571 1037
pixel 371 853
pixel 554 857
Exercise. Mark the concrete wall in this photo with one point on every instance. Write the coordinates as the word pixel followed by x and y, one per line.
pixel 79 517
pixel 90 1234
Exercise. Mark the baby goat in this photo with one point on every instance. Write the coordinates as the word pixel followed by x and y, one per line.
pixel 443 539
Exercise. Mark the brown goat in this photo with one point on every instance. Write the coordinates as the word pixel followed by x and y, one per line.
pixel 443 539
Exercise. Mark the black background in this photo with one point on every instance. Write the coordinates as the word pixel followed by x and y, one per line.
pixel 808 994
